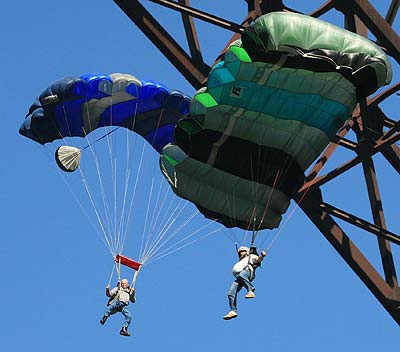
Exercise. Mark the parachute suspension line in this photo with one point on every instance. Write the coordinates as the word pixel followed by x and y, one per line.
pixel 157 247
pixel 285 164
pixel 147 215
pixel 112 274
pixel 134 278
pixel 281 228
pixel 256 180
pixel 118 265
pixel 115 203
pixel 231 207
pixel 87 188
pixel 66 121
pixel 269 198
pixel 107 213
pixel 161 233
pixel 158 125
pixel 254 233
pixel 158 206
pixel 104 237
pixel 163 222
pixel 154 219
pixel 256 184
pixel 100 138
pixel 126 188
pixel 128 220
pixel 148 230
pixel 113 171
pixel 170 250
pixel 231 235
pixel 152 241
pixel 253 238
pixel 291 214
pixel 121 231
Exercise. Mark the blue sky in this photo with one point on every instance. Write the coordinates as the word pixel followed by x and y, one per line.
pixel 55 268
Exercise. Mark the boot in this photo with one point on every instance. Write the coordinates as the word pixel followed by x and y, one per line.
pixel 250 294
pixel 124 332
pixel 232 314
pixel 103 320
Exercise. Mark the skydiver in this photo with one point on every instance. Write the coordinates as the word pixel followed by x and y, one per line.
pixel 118 302
pixel 244 272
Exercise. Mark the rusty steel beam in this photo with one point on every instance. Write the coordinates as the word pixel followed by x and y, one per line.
pixel 195 74
pixel 246 22
pixel 191 35
pixel 360 15
pixel 392 155
pixel 388 296
pixel 379 220
pixel 392 12
pixel 365 135
pixel 323 159
pixel 381 145
pixel 364 152
pixel 361 223
pixel 383 95
pixel 344 142
pixel 204 16
pixel 375 23
pixel 329 5
pixel 354 24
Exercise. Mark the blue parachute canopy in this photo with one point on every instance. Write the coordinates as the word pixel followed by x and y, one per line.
pixel 75 106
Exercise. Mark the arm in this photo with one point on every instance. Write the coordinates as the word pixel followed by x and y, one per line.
pixel 112 292
pixel 260 258
pixel 132 295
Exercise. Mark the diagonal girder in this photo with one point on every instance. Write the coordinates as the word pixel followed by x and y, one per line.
pixel 377 25
pixel 388 296
pixel 362 224
pixel 195 74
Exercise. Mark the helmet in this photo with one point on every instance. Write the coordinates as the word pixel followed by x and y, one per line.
pixel 243 248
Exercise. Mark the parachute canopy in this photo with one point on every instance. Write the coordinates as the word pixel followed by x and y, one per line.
pixel 269 109
pixel 88 123
pixel 75 106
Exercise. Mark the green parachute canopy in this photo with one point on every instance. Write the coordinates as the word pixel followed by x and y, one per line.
pixel 268 111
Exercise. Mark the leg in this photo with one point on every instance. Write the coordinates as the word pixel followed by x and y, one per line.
pixel 111 309
pixel 244 278
pixel 232 294
pixel 232 297
pixel 128 317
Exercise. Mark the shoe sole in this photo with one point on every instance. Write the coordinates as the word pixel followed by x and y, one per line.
pixel 229 318
pixel 249 297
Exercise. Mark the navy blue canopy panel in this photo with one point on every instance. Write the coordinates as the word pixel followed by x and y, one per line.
pixel 75 106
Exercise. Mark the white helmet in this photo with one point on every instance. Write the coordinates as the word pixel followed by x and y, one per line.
pixel 243 248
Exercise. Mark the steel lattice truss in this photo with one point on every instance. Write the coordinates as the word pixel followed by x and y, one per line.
pixel 376 132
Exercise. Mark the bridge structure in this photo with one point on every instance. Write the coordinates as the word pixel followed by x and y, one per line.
pixel 373 131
